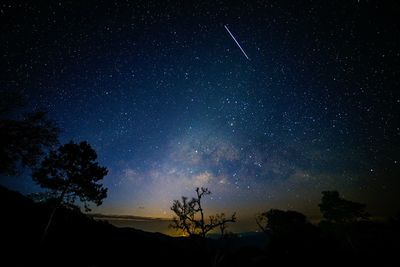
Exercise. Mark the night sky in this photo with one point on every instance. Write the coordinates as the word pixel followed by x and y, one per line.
pixel 169 101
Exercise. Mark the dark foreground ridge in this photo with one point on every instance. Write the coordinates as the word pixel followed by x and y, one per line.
pixel 75 239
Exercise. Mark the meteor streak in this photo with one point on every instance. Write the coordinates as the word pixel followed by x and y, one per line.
pixel 233 37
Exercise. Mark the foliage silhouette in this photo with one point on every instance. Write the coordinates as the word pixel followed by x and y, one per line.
pixel 25 141
pixel 71 173
pixel 10 101
pixel 338 210
pixel 190 218
pixel 291 237
pixel 280 221
pixel 285 226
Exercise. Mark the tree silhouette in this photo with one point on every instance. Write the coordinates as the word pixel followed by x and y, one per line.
pixel 10 101
pixel 190 216
pixel 71 172
pixel 339 210
pixel 290 234
pixel 281 222
pixel 25 141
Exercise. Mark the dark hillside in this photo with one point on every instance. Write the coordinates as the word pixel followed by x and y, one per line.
pixel 77 240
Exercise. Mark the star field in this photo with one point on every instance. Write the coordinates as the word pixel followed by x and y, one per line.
pixel 170 103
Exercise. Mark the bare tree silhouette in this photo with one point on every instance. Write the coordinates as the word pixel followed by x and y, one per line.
pixel 190 216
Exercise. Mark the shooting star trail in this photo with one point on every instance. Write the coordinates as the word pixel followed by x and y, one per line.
pixel 233 37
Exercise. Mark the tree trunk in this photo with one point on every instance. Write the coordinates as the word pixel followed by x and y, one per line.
pixel 53 212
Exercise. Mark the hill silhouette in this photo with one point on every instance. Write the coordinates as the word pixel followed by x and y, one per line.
pixel 78 240
pixel 75 239
pixel 125 217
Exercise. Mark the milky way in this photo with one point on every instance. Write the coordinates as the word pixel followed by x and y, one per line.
pixel 162 94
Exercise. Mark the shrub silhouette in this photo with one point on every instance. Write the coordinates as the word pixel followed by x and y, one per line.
pixel 338 210
pixel 283 224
